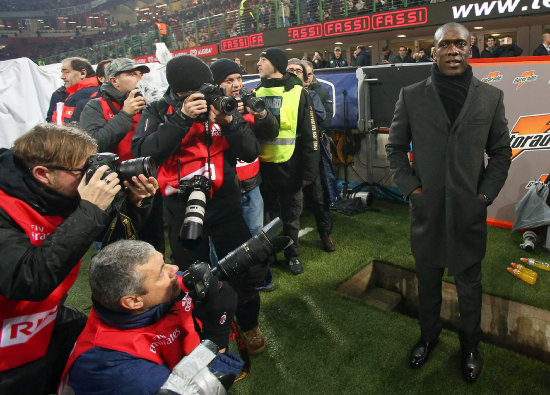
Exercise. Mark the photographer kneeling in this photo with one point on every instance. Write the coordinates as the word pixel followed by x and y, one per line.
pixel 143 322
pixel 49 217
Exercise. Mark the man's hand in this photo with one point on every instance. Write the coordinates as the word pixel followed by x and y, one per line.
pixel 194 105
pixel 240 104
pixel 97 191
pixel 219 117
pixel 140 188
pixel 133 105
pixel 416 191
pixel 257 114
pixel 305 183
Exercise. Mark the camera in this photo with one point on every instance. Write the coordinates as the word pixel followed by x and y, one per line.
pixel 250 100
pixel 529 241
pixel 215 95
pixel 125 169
pixel 256 250
pixel 195 192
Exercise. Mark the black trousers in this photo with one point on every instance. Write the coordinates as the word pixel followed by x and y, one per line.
pixel 41 377
pixel 152 230
pixel 288 206
pixel 468 286
pixel 320 204
pixel 227 235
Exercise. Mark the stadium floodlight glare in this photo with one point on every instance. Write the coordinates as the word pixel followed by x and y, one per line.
pixel 288 49
pixel 247 54
pixel 478 27
pixel 339 43
pixel 401 35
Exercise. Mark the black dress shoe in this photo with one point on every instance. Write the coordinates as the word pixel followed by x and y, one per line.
pixel 471 365
pixel 420 353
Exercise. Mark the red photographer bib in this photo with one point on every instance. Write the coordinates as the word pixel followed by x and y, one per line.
pixel 27 326
pixel 193 158
pixel 123 149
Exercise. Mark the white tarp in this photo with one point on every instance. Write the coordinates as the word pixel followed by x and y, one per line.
pixel 25 91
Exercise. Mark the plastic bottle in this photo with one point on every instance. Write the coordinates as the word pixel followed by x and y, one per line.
pixel 535 263
pixel 522 268
pixel 521 275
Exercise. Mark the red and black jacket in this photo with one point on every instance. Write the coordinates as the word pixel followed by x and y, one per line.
pixel 166 136
pixel 77 95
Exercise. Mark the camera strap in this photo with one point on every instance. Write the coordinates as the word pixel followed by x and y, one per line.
pixel 243 351
pixel 208 143
pixel 126 229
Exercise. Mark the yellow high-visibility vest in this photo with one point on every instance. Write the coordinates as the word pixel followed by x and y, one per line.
pixel 285 106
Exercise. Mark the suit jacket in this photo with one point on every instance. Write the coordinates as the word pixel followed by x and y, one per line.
pixel 448 219
pixel 540 51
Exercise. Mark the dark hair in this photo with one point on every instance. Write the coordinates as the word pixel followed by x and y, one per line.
pixel 362 47
pixel 100 69
pixel 438 35
pixel 385 48
pixel 80 64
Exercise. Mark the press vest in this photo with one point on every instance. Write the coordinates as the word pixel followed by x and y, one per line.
pixel 284 105
pixel 193 157
pixel 165 342
pixel 246 170
pixel 87 88
pixel 123 149
pixel 27 326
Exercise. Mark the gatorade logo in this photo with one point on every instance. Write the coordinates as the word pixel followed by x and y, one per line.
pixel 530 133
pixel 494 76
pixel 542 178
pixel 527 76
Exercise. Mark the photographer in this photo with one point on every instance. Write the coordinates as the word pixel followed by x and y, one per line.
pixel 227 74
pixel 112 119
pixel 143 322
pixel 49 217
pixel 173 131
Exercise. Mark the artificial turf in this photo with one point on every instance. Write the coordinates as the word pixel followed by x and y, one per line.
pixel 319 342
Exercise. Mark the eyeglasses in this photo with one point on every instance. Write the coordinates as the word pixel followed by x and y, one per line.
pixel 80 170
pixel 295 71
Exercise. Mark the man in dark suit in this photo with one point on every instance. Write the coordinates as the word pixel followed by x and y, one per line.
pixel 452 119
pixel 544 48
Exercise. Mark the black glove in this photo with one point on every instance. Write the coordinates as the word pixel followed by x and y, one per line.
pixel 216 313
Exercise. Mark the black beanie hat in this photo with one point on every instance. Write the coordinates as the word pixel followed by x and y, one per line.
pixel 221 68
pixel 277 57
pixel 187 73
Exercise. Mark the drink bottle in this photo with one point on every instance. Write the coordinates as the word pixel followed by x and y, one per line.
pixel 521 275
pixel 535 263
pixel 522 268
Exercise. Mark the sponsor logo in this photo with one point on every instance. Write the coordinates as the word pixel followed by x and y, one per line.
pixel 163 340
pixel 527 76
pixel 494 76
pixel 187 302
pixel 17 330
pixel 203 171
pixel 215 130
pixel 223 318
pixel 233 44
pixel 530 133
pixel 498 8
pixel 38 233
pixel 542 178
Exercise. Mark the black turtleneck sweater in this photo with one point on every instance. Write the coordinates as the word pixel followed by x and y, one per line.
pixel 452 90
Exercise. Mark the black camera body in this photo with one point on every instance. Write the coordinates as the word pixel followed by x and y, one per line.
pixel 195 192
pixel 215 95
pixel 125 169
pixel 249 99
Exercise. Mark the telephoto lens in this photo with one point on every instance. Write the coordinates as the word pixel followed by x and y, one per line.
pixel 191 229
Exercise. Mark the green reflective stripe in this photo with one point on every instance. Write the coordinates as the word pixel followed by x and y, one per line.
pixel 281 149
pixel 289 141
